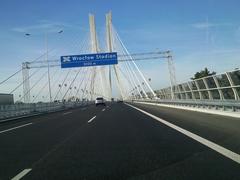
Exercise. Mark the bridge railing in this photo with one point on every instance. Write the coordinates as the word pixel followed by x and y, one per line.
pixel 223 87
pixel 18 110
pixel 220 91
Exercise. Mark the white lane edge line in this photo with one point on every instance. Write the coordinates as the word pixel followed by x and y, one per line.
pixel 67 113
pixel 92 119
pixel 15 128
pixel 225 152
pixel 21 174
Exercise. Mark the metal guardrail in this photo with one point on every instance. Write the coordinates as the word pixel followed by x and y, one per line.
pixel 19 110
pixel 210 104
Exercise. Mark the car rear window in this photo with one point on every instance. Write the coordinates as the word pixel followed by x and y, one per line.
pixel 99 98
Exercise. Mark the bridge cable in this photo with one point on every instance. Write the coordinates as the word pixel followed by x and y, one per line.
pixel 135 65
pixel 40 91
pixel 24 81
pixel 34 85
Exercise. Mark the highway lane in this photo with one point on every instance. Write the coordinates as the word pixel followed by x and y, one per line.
pixel 23 146
pixel 116 142
pixel 124 143
pixel 222 130
pixel 18 122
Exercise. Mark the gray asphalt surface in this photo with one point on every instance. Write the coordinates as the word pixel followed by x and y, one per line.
pixel 119 143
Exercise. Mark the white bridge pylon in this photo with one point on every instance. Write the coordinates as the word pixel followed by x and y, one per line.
pixel 126 75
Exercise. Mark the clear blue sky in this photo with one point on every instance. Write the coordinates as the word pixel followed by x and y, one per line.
pixel 144 25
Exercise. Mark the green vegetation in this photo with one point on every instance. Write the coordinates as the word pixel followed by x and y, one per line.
pixel 203 73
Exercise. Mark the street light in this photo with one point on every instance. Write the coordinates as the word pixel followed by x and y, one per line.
pixel 75 93
pixel 70 94
pixel 46 46
pixel 60 86
pixel 49 79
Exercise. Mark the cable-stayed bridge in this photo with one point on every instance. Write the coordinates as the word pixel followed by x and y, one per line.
pixel 53 130
pixel 56 84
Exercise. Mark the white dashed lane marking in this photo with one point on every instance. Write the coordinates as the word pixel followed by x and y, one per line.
pixel 67 113
pixel 21 174
pixel 15 128
pixel 92 119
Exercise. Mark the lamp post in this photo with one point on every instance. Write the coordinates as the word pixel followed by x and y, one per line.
pixel 75 92
pixel 149 79
pixel 70 94
pixel 59 85
pixel 65 85
pixel 46 47
pixel 49 79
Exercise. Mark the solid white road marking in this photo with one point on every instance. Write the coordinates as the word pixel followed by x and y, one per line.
pixel 21 174
pixel 103 109
pixel 15 128
pixel 92 119
pixel 225 152
pixel 67 113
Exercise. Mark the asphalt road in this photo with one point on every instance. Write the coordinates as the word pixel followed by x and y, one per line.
pixel 118 142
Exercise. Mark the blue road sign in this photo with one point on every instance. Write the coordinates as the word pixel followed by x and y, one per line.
pixel 83 60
